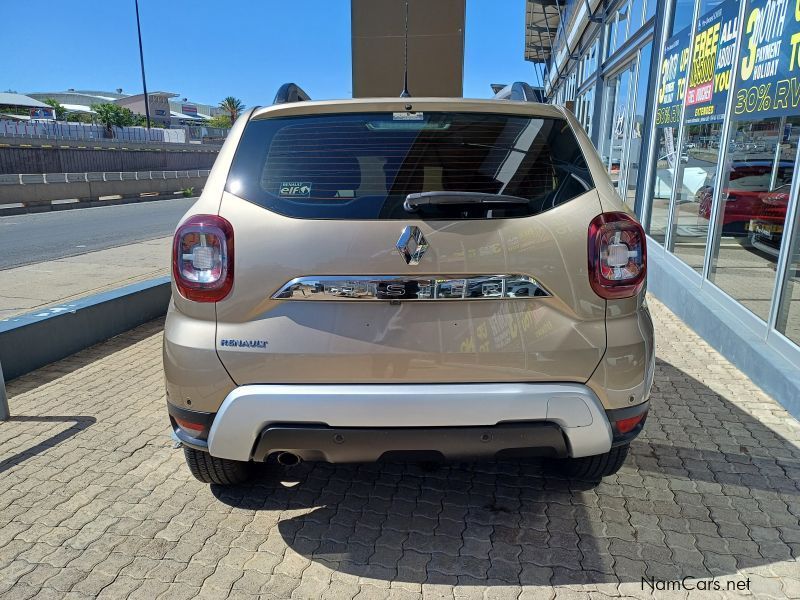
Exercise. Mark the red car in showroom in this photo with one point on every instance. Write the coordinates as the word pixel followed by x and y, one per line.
pixel 751 208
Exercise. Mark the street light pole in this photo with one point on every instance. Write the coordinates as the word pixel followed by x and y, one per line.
pixel 141 60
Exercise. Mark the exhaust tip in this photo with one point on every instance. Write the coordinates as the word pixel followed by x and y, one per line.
pixel 287 459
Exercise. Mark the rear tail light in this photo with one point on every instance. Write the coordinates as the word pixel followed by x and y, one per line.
pixel 617 256
pixel 202 258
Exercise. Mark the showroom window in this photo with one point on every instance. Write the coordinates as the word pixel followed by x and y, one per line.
pixel 670 86
pixel 615 122
pixel 635 137
pixel 617 28
pixel 697 167
pixel 585 109
pixel 706 98
pixel 650 9
pixel 589 60
pixel 723 181
pixel 636 15
pixel 788 317
pixel 755 198
pixel 666 162
pixel 571 85
pixel 682 19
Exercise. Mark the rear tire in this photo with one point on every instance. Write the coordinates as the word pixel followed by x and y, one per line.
pixel 209 469
pixel 594 468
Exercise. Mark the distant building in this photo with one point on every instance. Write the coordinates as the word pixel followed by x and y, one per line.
pixel 165 109
pixel 158 102
pixel 78 101
pixel 23 108
pixel 194 109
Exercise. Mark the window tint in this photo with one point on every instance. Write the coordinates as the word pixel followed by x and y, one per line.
pixel 362 166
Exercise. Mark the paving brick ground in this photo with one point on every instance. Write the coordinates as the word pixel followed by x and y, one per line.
pixel 95 501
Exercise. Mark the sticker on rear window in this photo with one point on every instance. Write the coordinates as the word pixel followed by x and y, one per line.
pixel 407 116
pixel 295 188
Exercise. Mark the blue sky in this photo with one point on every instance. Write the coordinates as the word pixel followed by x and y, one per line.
pixel 208 50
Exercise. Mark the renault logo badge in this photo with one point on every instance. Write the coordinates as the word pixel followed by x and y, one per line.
pixel 412 245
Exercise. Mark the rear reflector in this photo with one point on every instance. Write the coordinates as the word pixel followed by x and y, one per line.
pixel 617 256
pixel 202 258
pixel 189 427
pixel 629 424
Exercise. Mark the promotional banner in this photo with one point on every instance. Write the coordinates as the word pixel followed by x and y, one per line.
pixel 768 71
pixel 713 59
pixel 43 113
pixel 672 79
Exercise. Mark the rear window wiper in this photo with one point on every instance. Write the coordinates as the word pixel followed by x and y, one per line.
pixel 416 201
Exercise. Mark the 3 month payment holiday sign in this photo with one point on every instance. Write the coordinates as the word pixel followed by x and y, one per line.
pixel 713 61
pixel 672 79
pixel 768 71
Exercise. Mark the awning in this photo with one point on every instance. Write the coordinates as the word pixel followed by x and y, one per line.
pixel 542 19
pixel 78 108
pixel 182 116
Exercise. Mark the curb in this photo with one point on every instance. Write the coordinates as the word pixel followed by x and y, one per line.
pixel 35 339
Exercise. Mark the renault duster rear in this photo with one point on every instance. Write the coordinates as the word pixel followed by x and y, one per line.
pixel 418 278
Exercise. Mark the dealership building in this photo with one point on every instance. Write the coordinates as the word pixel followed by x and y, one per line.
pixel 166 109
pixel 694 107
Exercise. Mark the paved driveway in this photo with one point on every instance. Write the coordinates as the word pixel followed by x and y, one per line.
pixel 95 500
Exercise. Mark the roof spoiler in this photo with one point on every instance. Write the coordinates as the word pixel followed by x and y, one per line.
pixel 290 92
pixel 519 90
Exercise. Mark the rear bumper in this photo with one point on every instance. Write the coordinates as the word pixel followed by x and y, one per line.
pixel 369 444
pixel 255 421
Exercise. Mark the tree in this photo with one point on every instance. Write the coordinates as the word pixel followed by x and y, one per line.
pixel 76 117
pixel 60 111
pixel 220 121
pixel 232 106
pixel 113 115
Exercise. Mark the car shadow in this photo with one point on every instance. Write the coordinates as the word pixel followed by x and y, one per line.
pixel 706 491
pixel 79 423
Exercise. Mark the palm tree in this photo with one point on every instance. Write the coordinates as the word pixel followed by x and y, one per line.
pixel 232 106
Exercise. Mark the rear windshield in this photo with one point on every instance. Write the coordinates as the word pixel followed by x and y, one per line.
pixel 363 166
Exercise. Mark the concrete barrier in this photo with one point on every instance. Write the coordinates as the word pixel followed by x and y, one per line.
pixel 33 340
pixel 69 157
pixel 37 193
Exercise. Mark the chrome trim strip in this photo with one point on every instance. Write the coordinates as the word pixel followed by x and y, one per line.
pixel 405 288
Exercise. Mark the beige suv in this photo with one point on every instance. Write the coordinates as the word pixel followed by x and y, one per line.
pixel 415 278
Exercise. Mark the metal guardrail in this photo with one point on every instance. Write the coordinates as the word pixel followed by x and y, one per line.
pixel 40 178
pixel 58 130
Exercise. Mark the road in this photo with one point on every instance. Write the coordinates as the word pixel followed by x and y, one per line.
pixel 35 238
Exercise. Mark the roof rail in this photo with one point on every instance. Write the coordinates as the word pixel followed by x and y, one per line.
pixel 290 92
pixel 519 90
